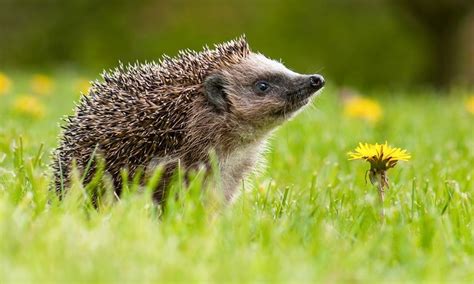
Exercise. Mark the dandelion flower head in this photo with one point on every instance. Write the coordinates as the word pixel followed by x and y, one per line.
pixel 380 156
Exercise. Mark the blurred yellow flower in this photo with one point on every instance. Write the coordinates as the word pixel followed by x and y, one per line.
pixel 29 105
pixel 82 85
pixel 470 104
pixel 42 84
pixel 365 108
pixel 5 84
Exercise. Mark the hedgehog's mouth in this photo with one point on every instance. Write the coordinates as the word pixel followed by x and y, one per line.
pixel 299 97
pixel 294 101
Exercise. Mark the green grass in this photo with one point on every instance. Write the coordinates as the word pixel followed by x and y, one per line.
pixel 308 217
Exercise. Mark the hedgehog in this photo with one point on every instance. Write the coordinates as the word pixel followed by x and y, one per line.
pixel 222 102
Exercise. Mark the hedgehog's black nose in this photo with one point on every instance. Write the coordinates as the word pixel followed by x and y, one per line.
pixel 316 81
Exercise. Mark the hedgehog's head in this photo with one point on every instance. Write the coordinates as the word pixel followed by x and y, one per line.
pixel 259 91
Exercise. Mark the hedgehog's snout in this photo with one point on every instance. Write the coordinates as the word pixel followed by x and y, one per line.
pixel 316 81
pixel 305 86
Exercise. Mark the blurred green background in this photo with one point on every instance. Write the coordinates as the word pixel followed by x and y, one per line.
pixel 363 43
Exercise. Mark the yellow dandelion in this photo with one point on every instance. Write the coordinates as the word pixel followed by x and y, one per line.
pixel 82 85
pixel 29 105
pixel 470 104
pixel 381 158
pixel 42 84
pixel 364 108
pixel 5 84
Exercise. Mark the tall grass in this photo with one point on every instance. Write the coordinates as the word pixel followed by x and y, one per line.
pixel 308 217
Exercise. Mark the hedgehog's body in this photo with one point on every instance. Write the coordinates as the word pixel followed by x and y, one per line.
pixel 178 111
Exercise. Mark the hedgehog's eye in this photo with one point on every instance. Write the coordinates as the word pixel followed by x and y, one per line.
pixel 262 86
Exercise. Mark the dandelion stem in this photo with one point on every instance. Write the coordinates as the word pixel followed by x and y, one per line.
pixel 380 186
pixel 383 184
pixel 379 179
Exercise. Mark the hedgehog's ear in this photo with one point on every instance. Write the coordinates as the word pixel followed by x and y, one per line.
pixel 215 93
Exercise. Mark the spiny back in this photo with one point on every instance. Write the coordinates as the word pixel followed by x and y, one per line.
pixel 141 112
pixel 187 70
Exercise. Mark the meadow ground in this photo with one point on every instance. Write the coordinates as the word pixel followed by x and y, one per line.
pixel 308 217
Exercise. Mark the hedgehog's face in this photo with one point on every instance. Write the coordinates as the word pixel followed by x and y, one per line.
pixel 260 91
